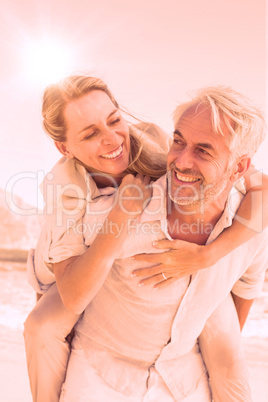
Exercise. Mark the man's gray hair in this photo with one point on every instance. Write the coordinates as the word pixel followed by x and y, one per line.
pixel 244 121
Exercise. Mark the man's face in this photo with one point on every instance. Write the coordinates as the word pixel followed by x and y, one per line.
pixel 198 160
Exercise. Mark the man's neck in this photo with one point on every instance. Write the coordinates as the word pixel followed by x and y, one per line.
pixel 193 224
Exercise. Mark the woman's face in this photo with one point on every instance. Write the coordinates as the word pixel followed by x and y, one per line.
pixel 97 134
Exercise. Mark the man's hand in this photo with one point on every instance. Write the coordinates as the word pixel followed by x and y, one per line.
pixel 181 260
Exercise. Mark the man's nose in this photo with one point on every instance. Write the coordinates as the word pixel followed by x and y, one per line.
pixel 184 159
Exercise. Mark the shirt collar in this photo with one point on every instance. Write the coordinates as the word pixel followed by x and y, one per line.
pixel 233 202
pixel 93 191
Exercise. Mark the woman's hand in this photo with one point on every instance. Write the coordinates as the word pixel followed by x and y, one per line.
pixel 133 195
pixel 181 260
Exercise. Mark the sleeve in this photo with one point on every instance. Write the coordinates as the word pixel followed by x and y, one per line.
pixel 69 235
pixel 53 247
pixel 65 190
pixel 249 286
pixel 69 243
pixel 39 287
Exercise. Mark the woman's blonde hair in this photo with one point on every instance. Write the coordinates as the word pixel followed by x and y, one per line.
pixel 245 122
pixel 57 96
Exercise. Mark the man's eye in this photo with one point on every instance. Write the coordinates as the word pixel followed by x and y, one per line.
pixel 179 142
pixel 203 151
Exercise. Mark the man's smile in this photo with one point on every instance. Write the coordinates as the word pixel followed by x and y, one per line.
pixel 185 178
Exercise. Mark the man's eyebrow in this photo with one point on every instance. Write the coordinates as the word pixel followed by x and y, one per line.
pixel 178 133
pixel 205 145
pixel 92 125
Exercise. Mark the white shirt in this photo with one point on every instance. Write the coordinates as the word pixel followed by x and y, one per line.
pixel 178 363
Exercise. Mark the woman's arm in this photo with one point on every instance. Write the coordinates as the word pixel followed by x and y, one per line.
pixel 250 219
pixel 80 278
pixel 183 258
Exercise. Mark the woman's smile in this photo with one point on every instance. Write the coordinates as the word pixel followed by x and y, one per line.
pixel 114 154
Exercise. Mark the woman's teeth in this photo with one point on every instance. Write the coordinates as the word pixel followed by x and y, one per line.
pixel 186 179
pixel 113 154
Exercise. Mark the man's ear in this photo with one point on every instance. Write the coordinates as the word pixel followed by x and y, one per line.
pixel 240 167
pixel 63 150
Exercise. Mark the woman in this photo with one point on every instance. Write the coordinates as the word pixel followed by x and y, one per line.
pixel 86 124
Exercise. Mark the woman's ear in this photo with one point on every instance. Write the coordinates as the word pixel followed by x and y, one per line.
pixel 63 150
pixel 241 166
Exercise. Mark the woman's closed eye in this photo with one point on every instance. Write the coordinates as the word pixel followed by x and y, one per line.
pixel 115 121
pixel 91 135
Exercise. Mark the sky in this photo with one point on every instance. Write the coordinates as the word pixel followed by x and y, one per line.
pixel 152 54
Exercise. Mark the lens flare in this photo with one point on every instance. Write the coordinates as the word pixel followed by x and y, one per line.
pixel 47 60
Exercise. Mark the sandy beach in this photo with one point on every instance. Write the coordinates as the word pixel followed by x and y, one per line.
pixel 17 298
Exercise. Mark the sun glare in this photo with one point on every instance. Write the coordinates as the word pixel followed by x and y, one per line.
pixel 47 61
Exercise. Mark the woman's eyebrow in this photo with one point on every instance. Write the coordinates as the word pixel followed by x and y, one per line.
pixel 86 128
pixel 112 113
pixel 92 125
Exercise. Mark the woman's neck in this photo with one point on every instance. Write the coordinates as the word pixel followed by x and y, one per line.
pixel 106 180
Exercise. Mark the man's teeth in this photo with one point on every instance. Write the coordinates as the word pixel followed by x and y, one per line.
pixel 186 179
pixel 113 154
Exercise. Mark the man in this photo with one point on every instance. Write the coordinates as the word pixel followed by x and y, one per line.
pixel 214 138
pixel 193 196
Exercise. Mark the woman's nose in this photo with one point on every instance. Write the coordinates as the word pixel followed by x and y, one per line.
pixel 109 136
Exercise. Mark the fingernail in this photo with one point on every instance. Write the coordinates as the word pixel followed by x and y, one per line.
pixel 141 284
pixel 133 275
pixel 155 243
